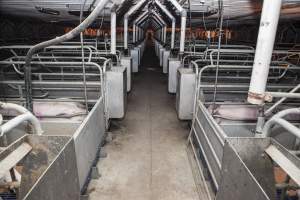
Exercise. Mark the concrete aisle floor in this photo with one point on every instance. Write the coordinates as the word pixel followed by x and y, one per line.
pixel 147 160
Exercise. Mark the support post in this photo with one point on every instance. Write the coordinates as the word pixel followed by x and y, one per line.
pixel 113 25
pixel 182 31
pixel 126 31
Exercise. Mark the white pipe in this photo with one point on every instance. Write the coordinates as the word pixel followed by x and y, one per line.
pixel 283 95
pixel 164 27
pixel 177 5
pixel 25 116
pixel 173 35
pixel 182 31
pixel 158 27
pixel 163 8
pixel 277 119
pixel 269 111
pixel 165 34
pixel 136 28
pixel 11 106
pixel 125 32
pixel 113 25
pixel 264 48
pixel 183 23
pixel 11 124
pixel 126 16
pixel 286 125
pixel 140 31
pixel 134 33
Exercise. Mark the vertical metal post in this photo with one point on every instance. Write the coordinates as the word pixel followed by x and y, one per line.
pixel 113 25
pixel 165 34
pixel 173 34
pixel 134 33
pixel 182 31
pixel 183 23
pixel 126 31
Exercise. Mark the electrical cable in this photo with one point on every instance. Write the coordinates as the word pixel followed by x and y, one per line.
pixel 221 7
pixel 83 58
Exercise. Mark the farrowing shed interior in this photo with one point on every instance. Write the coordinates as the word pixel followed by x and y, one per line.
pixel 150 99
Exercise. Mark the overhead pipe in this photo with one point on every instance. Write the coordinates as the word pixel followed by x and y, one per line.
pixel 160 27
pixel 134 33
pixel 164 29
pixel 163 8
pixel 161 24
pixel 156 31
pixel 157 26
pixel 113 27
pixel 143 25
pixel 126 17
pixel 25 116
pixel 68 36
pixel 181 2
pixel 141 30
pixel 264 48
pixel 135 27
pixel 183 23
pixel 138 23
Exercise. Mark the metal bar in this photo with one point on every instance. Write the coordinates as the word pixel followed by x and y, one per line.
pixel 14 158
pixel 269 111
pixel 289 167
pixel 277 119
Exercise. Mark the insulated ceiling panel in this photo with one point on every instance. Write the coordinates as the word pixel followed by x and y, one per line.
pixel 49 10
pixel 238 11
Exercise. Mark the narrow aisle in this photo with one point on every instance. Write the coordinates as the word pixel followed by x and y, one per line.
pixel 147 160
